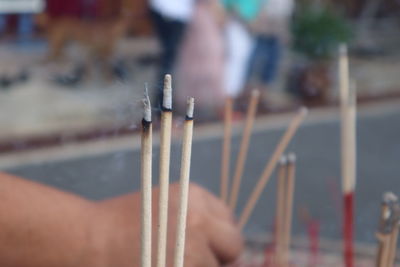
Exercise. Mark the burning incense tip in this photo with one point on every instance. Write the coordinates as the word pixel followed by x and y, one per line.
pixel 190 108
pixel 147 107
pixel 291 157
pixel 343 50
pixel 167 92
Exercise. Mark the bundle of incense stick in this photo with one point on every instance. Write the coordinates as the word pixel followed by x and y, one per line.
pixel 269 168
pixel 284 209
pixel 348 153
pixel 244 145
pixel 146 177
pixel 388 231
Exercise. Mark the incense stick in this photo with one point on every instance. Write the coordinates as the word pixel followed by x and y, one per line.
pixel 244 146
pixel 394 220
pixel 184 185
pixel 284 142
pixel 387 234
pixel 393 245
pixel 146 165
pixel 348 151
pixel 165 148
pixel 290 183
pixel 382 237
pixel 226 148
pixel 280 205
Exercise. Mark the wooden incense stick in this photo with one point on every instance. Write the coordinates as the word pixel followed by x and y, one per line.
pixel 244 146
pixel 393 244
pixel 165 149
pixel 280 205
pixel 383 237
pixel 348 153
pixel 146 165
pixel 383 249
pixel 265 176
pixel 226 148
pixel 394 235
pixel 383 252
pixel 287 224
pixel 184 185
pixel 386 234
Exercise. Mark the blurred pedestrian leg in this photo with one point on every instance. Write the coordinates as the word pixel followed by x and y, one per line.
pixel 170 18
pixel 271 30
pixel 239 46
pixel 25 27
pixel 3 24
pixel 265 58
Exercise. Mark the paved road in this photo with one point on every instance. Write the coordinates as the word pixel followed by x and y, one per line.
pixel 318 183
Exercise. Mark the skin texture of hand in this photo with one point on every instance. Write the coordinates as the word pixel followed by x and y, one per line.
pixel 212 237
pixel 43 227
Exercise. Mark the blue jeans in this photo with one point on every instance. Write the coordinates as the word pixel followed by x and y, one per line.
pixel 170 33
pixel 264 60
pixel 25 26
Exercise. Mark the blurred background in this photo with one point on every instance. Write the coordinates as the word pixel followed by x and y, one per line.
pixel 72 74
pixel 80 66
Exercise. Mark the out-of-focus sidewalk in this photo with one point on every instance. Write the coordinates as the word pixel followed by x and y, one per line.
pixel 40 107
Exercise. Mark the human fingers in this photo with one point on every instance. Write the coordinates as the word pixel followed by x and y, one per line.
pixel 198 252
pixel 225 239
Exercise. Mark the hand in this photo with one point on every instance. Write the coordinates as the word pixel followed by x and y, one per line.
pixel 212 237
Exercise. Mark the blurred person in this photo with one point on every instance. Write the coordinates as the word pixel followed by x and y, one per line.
pixel 170 19
pixel 271 29
pixel 78 22
pixel 42 226
pixel 239 42
pixel 25 25
pixel 23 12
pixel 200 66
pixel 3 24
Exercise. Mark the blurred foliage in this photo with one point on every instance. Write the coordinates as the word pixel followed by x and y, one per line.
pixel 318 30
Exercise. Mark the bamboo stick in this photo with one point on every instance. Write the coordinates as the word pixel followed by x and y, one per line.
pixel 226 148
pixel 280 214
pixel 385 231
pixel 348 126
pixel 165 151
pixel 184 185
pixel 348 153
pixel 393 245
pixel 146 165
pixel 383 250
pixel 244 146
pixel 290 184
pixel 284 142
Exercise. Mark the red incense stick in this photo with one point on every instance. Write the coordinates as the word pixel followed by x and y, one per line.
pixel 348 154
pixel 348 228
